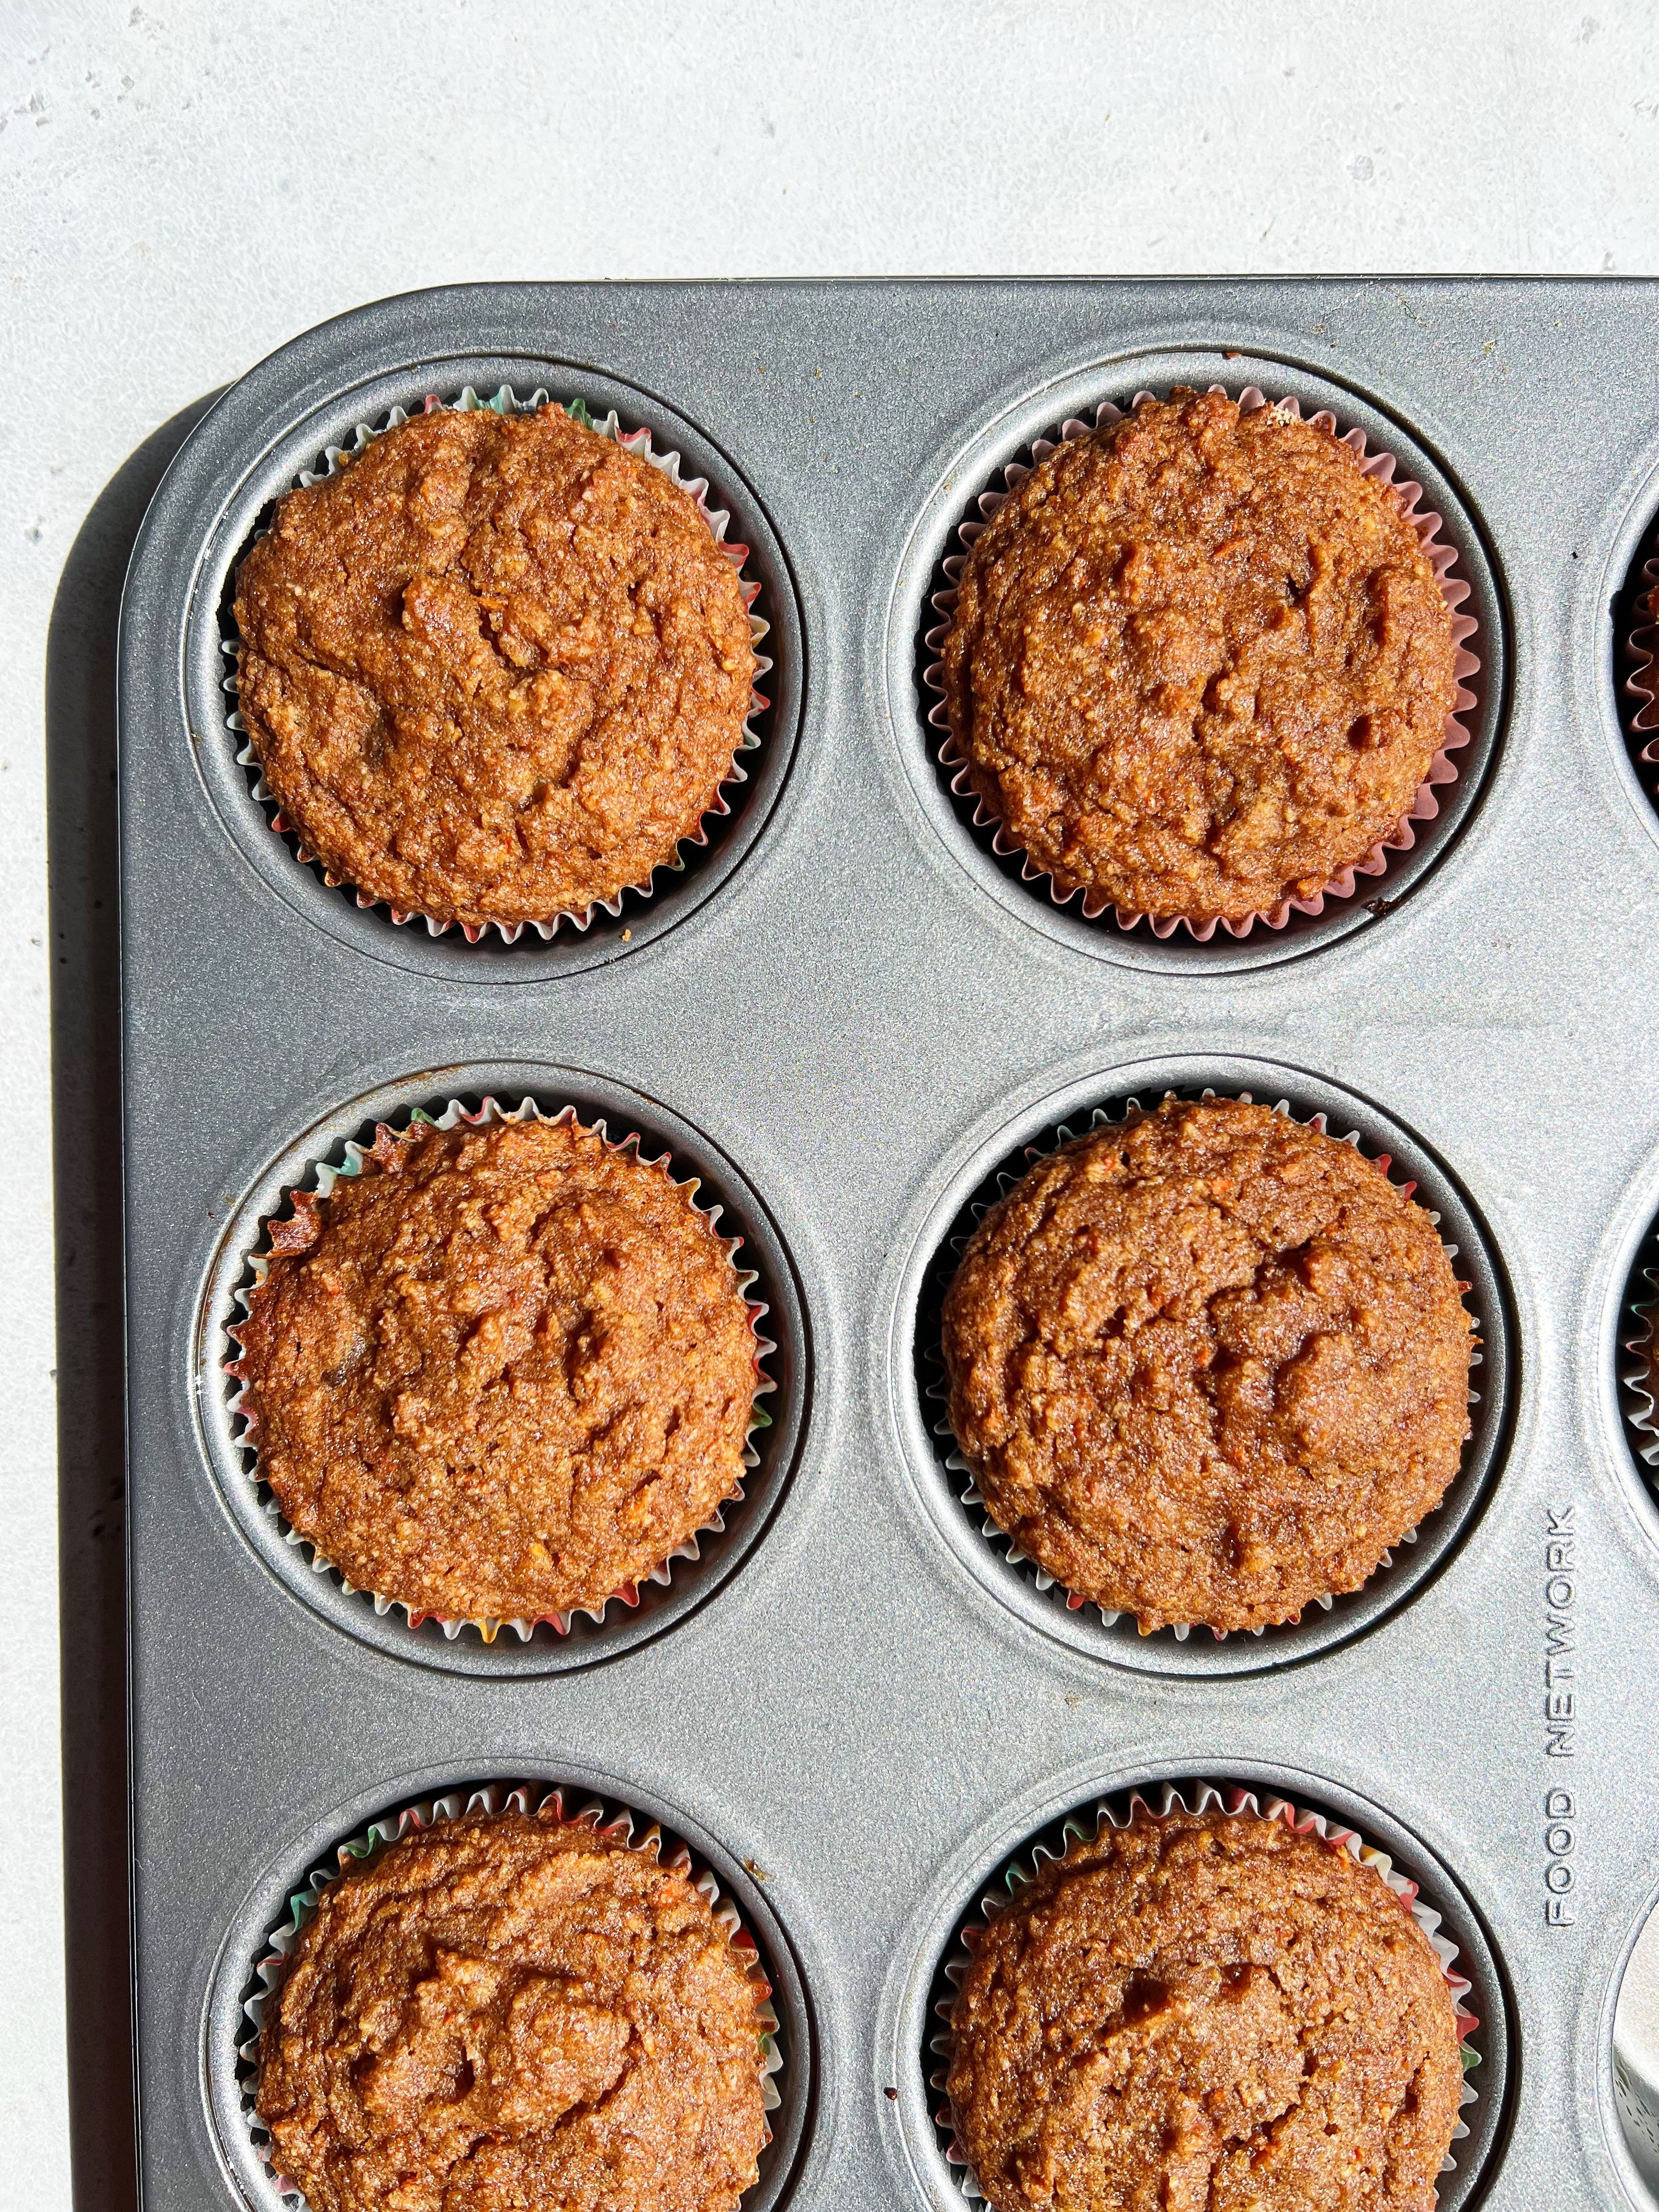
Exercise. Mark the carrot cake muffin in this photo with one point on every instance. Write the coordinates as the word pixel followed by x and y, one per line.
pixel 1207 1365
pixel 1199 662
pixel 1207 2011
pixel 494 668
pixel 501 2010
pixel 503 1372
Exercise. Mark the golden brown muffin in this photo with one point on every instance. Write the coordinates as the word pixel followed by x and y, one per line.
pixel 1208 1365
pixel 503 2011
pixel 1199 662
pixel 1206 2014
pixel 494 668
pixel 503 1372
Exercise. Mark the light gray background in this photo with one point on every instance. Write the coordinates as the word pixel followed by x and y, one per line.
pixel 185 186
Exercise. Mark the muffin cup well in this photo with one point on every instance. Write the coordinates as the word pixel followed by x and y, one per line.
pixel 957 1463
pixel 506 401
pixel 1201 1797
pixel 305 1201
pixel 1345 883
pixel 619 1823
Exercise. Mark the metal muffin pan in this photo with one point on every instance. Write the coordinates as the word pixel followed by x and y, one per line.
pixel 843 1015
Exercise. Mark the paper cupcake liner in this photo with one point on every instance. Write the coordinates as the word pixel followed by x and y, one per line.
pixel 1427 523
pixel 1200 1797
pixel 1636 2056
pixel 1639 1350
pixel 279 1943
pixel 507 402
pixel 296 1232
pixel 956 1461
pixel 1639 2117
pixel 1641 648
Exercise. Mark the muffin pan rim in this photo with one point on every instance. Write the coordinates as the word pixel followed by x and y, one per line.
pixel 222 2025
pixel 906 2023
pixel 976 457
pixel 241 493
pixel 1072 1090
pixel 243 1499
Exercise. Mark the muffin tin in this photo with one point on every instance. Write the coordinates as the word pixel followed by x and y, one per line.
pixel 844 1015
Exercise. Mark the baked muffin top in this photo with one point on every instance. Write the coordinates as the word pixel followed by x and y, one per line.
pixel 503 1372
pixel 501 2010
pixel 1198 661
pixel 494 668
pixel 1205 2010
pixel 1208 1365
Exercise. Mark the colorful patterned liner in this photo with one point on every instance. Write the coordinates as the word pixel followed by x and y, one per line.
pixel 507 402
pixel 957 1463
pixel 305 1202
pixel 1443 771
pixel 281 1940
pixel 1201 1797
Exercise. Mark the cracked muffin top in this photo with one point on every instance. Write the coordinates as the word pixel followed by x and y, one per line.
pixel 1208 1365
pixel 504 2010
pixel 494 668
pixel 504 1371
pixel 1205 2011
pixel 1199 662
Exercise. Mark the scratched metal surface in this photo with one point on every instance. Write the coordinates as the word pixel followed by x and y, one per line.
pixel 843 1018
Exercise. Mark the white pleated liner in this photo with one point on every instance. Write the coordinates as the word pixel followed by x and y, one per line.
pixel 507 402
pixel 323 1181
pixel 956 1462
pixel 1232 1801
pixel 282 1939
pixel 1425 807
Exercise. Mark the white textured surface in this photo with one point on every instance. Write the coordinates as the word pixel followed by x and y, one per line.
pixel 184 186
